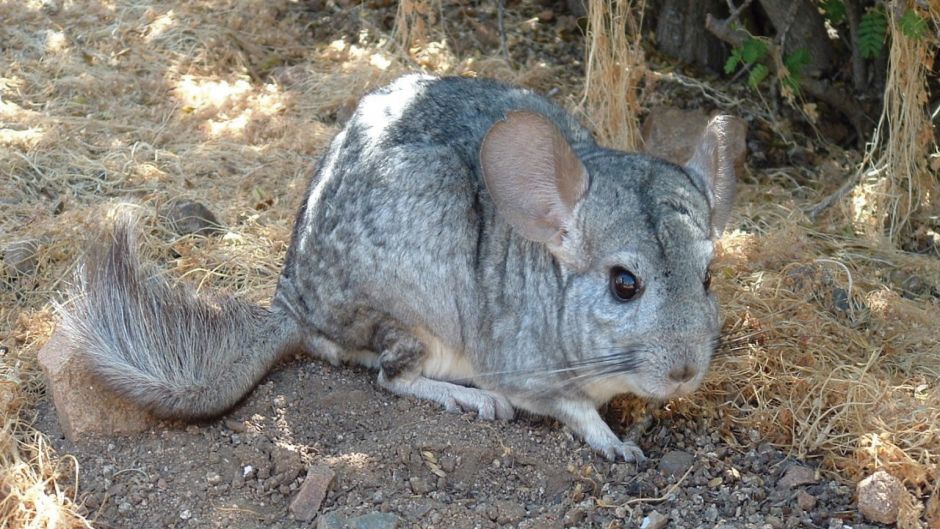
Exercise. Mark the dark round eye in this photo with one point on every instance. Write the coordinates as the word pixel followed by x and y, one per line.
pixel 707 282
pixel 623 284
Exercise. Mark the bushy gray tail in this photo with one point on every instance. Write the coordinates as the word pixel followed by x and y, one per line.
pixel 176 353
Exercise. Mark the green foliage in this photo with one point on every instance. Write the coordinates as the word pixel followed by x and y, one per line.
pixel 732 63
pixel 913 25
pixel 871 32
pixel 753 50
pixel 749 53
pixel 758 73
pixel 834 11
pixel 795 63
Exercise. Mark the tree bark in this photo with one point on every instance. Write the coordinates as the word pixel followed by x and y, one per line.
pixel 800 25
pixel 680 32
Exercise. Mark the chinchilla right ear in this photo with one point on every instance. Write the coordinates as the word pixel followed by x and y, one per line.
pixel 721 146
pixel 536 181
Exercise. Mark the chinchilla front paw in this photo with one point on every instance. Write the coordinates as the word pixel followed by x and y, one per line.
pixel 620 450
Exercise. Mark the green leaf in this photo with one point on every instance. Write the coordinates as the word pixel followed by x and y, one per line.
pixel 834 11
pixel 791 82
pixel 758 74
pixel 732 63
pixel 913 25
pixel 753 50
pixel 871 32
pixel 796 61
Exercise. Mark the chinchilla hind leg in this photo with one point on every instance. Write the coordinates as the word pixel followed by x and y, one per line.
pixel 400 358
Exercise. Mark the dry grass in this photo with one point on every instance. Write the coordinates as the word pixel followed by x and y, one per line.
pixel 898 179
pixel 831 350
pixel 615 70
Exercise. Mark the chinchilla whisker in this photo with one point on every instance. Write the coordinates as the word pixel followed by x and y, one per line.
pixel 527 372
pixel 573 367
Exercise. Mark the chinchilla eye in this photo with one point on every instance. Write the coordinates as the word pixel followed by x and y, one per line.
pixel 623 284
pixel 707 282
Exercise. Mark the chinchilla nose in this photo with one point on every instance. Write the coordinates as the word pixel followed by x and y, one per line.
pixel 682 373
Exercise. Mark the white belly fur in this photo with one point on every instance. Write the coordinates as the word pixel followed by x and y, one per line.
pixel 442 362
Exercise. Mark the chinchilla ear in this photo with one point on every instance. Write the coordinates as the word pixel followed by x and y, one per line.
pixel 720 148
pixel 535 179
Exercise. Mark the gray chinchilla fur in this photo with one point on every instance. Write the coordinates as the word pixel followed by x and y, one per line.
pixel 471 242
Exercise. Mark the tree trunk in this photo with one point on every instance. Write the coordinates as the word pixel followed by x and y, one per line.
pixel 800 25
pixel 680 32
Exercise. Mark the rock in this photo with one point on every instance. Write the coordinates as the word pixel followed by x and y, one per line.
pixel 376 520
pixel 509 512
pixel 673 133
pixel 420 485
pixel 331 521
pixel 840 299
pixel 189 217
pixel 51 7
pixel 880 496
pixel 805 500
pixel 83 405
pixel 795 476
pixel 20 258
pixel 306 503
pixel 674 463
pixel 654 520
pixel 574 517
pixel 286 462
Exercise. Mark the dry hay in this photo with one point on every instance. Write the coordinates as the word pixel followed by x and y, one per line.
pixel 831 348
pixel 899 179
pixel 615 70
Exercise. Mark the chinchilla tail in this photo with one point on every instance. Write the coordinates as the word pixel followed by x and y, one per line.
pixel 172 351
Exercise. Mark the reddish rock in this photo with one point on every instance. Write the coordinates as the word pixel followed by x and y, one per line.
pixel 83 405
pixel 805 500
pixel 306 504
pixel 880 496
pixel 795 476
pixel 673 134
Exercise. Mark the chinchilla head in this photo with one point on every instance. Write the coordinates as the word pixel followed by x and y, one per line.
pixel 633 236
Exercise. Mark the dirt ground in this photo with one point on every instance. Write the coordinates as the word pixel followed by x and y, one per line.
pixel 429 468
pixel 230 103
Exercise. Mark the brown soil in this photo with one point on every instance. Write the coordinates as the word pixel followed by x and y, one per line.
pixel 425 466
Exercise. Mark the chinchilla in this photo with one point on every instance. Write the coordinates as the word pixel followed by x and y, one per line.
pixel 471 242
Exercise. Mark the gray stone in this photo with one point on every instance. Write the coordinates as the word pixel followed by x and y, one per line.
pixel 331 520
pixel 675 463
pixel 187 217
pixel 376 520
pixel 654 520
pixel 509 512
pixel 420 485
